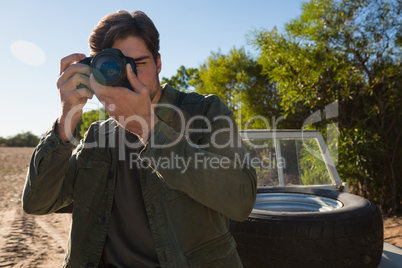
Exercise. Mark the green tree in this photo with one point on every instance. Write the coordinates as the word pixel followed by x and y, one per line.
pixel 24 139
pixel 88 118
pixel 347 52
pixel 236 78
pixel 3 141
pixel 182 78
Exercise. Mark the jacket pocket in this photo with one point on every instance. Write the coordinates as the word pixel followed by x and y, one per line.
pixel 219 252
pixel 89 177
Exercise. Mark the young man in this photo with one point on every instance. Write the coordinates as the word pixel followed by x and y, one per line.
pixel 155 185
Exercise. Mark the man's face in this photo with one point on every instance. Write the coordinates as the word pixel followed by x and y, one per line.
pixel 147 69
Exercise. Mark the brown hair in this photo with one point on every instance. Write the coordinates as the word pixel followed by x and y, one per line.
pixel 123 24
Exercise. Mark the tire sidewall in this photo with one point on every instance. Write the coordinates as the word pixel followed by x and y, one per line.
pixel 353 206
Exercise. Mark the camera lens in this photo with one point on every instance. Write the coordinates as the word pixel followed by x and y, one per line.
pixel 108 66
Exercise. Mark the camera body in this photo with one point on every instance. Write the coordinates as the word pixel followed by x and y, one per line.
pixel 109 67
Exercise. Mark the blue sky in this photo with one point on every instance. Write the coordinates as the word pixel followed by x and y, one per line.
pixel 35 35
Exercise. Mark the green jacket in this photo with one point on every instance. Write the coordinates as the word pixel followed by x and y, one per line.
pixel 188 209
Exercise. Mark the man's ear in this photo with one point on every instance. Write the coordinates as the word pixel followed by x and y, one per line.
pixel 159 63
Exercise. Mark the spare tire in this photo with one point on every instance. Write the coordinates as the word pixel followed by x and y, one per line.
pixel 305 227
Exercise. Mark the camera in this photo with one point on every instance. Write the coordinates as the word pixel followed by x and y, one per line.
pixel 109 67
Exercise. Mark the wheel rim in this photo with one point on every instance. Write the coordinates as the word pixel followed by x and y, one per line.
pixel 290 202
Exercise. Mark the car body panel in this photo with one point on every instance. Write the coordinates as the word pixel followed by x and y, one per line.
pixel 391 256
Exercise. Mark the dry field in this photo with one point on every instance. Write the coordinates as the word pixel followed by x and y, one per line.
pixel 26 240
pixel 40 241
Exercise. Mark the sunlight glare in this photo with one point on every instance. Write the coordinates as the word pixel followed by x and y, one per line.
pixel 28 53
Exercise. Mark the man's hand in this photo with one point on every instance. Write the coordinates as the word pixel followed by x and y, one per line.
pixel 131 109
pixel 72 97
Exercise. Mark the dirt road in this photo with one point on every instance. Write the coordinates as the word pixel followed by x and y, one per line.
pixel 26 240
pixel 41 241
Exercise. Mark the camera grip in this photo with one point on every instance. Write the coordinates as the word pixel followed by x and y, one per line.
pixel 86 61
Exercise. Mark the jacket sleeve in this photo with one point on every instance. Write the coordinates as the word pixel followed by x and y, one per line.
pixel 49 181
pixel 215 171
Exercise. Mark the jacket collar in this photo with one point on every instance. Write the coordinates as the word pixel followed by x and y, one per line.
pixel 169 97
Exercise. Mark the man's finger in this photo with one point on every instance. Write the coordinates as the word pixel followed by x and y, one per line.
pixel 134 81
pixel 67 61
pixel 75 82
pixel 95 86
pixel 72 70
pixel 102 92
pixel 85 93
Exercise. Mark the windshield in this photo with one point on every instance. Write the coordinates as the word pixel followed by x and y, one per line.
pixel 288 161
